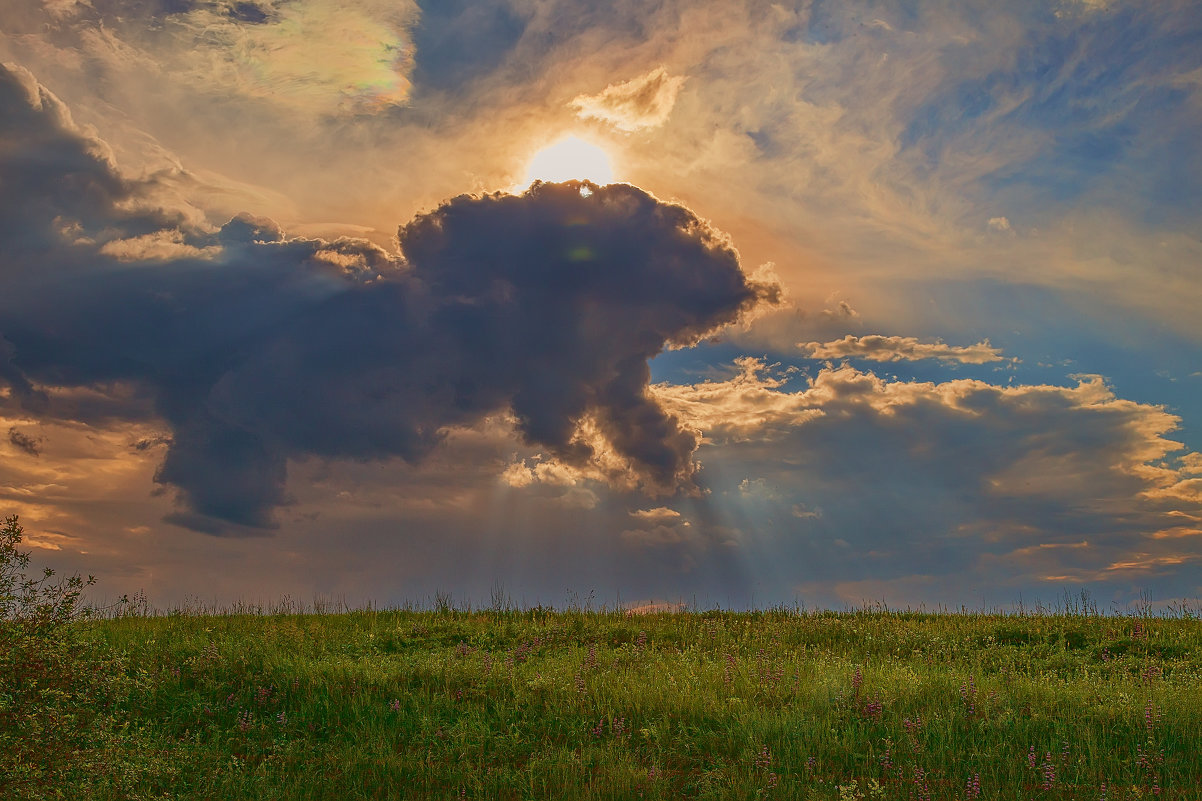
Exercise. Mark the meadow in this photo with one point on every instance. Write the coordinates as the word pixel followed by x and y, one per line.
pixel 506 703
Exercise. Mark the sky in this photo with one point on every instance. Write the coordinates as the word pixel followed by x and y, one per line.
pixel 866 303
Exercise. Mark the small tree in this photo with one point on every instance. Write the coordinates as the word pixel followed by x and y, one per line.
pixel 38 605
pixel 55 686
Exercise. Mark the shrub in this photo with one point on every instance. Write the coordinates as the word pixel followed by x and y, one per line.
pixel 56 687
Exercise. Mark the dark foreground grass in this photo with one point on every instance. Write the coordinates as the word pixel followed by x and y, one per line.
pixel 543 704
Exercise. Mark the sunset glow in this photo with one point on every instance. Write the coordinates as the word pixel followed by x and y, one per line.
pixel 891 300
pixel 571 159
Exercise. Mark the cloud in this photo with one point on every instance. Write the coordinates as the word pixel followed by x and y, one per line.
pixel 84 476
pixel 638 104
pixel 1000 225
pixel 849 148
pixel 758 488
pixel 553 481
pixel 956 477
pixel 315 55
pixel 747 406
pixel 61 186
pixel 666 533
pixel 1067 7
pixel 658 515
pixel 310 56
pixel 883 165
pixel 877 348
pixel 1188 490
pixel 800 510
pixel 864 148
pixel 520 474
pixel 560 299
pixel 258 348
pixel 156 246
pixel 842 312
pixel 23 442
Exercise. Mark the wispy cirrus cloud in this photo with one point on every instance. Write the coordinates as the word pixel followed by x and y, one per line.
pixel 312 56
pixel 635 105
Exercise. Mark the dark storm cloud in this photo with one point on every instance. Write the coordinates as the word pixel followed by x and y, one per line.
pixel 258 348
pixel 58 183
pixel 458 41
pixel 24 442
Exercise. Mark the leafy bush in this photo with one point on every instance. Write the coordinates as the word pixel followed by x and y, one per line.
pixel 56 687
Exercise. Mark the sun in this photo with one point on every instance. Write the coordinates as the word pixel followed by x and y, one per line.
pixel 571 159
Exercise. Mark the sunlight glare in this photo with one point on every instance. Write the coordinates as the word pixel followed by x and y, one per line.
pixel 570 159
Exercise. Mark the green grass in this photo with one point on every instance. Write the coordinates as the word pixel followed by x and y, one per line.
pixel 545 704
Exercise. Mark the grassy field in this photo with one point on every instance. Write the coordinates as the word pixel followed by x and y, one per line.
pixel 576 704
